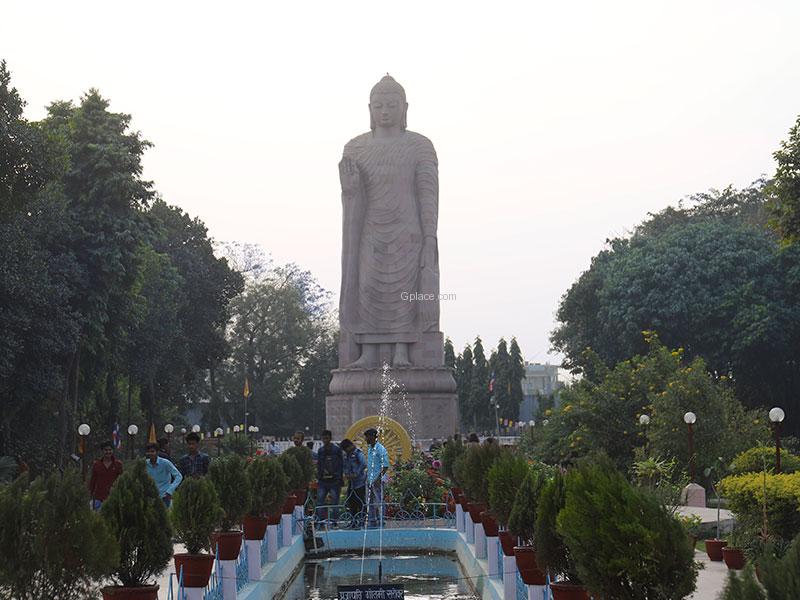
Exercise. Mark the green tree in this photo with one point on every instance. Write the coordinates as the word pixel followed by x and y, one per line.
pixel 516 372
pixel 449 354
pixel 709 279
pixel 785 187
pixel 463 373
pixel 483 416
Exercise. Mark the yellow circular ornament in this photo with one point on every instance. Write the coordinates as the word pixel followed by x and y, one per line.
pixel 391 434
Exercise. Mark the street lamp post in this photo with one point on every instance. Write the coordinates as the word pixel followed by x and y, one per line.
pixel 644 421
pixel 168 429
pixel 132 431
pixel 218 434
pixel 83 430
pixel 690 418
pixel 493 402
pixel 776 415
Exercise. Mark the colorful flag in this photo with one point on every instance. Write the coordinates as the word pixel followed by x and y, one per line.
pixel 151 438
pixel 246 387
pixel 115 437
pixel 491 383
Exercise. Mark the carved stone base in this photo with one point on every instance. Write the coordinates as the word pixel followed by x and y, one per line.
pixel 424 415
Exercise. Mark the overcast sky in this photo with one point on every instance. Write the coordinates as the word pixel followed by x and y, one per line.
pixel 557 124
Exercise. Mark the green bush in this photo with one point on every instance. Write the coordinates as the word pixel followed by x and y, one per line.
pixel 625 545
pixel 137 518
pixel 552 553
pixel 294 472
pixel 746 498
pixel 503 478
pixel 743 586
pixel 450 453
pixel 268 484
pixel 755 459
pixel 229 476
pixel 51 543
pixel 196 513
pixel 522 518
pixel 781 576
pixel 477 461
pixel 305 459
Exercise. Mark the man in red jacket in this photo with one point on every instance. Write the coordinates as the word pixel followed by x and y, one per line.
pixel 105 471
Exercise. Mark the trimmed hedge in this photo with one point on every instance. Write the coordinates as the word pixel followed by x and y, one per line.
pixel 745 495
pixel 754 459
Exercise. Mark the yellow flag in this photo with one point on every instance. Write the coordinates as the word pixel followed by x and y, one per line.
pixel 246 387
pixel 152 439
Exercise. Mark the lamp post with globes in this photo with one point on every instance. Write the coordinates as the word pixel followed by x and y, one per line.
pixel 776 416
pixel 83 430
pixel 644 421
pixel 218 432
pixel 690 418
pixel 132 431
pixel 168 429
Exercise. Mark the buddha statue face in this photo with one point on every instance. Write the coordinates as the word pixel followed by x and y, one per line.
pixel 386 109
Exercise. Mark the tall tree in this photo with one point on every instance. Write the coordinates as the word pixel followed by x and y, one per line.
pixel 464 369
pixel 501 367
pixel 483 416
pixel 786 187
pixel 516 373
pixel 449 354
pixel 706 281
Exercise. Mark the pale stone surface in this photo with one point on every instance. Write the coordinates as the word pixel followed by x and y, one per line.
pixel 694 495
pixel 389 301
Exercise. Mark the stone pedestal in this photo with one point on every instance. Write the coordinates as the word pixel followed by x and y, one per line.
pixel 491 554
pixel 227 569
pixel 694 495
pixel 480 541
pixel 459 518
pixel 537 592
pixel 286 528
pixel 469 528
pixel 298 519
pixel 425 402
pixel 253 549
pixel 272 544
pixel 190 593
pixel 509 578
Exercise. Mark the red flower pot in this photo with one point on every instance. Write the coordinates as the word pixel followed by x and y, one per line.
pixel 145 592
pixel 462 500
pixel 507 540
pixel 274 518
pixel 254 527
pixel 734 558
pixel 527 566
pixel 302 496
pixel 475 509
pixel 227 544
pixel 288 504
pixel 568 591
pixel 490 527
pixel 456 491
pixel 714 549
pixel 196 569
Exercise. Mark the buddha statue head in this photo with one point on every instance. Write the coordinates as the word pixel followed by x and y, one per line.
pixel 387 104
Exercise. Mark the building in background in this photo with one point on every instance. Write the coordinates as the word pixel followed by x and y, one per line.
pixel 539 387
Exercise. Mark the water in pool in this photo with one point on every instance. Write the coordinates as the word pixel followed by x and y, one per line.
pixel 425 576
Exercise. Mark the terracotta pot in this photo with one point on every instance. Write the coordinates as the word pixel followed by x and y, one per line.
pixel 527 566
pixel 568 591
pixel 145 592
pixel 714 549
pixel 462 500
pixel 489 524
pixel 227 544
pixel 288 504
pixel 456 491
pixel 507 540
pixel 475 509
pixel 274 518
pixel 196 569
pixel 254 527
pixel 302 496
pixel 734 558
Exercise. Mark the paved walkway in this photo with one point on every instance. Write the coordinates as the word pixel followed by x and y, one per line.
pixel 711 579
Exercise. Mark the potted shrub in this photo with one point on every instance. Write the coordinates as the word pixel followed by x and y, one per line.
pixel 522 523
pixel 477 462
pixel 714 546
pixel 196 514
pixel 137 518
pixel 305 459
pixel 450 453
pixel 504 479
pixel 621 540
pixel 295 479
pixel 52 545
pixel 229 477
pixel 268 485
pixel 552 555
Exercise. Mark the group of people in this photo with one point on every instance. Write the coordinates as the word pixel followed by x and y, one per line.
pixel 364 475
pixel 166 474
pixel 337 465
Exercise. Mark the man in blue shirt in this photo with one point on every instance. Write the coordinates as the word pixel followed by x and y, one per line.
pixel 377 465
pixel 330 464
pixel 355 473
pixel 165 475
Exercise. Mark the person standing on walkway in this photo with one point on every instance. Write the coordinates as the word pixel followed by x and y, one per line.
pixel 330 464
pixel 355 473
pixel 105 471
pixel 377 465
pixel 166 476
pixel 195 463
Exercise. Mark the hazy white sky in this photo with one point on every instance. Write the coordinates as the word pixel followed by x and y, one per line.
pixel 557 124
